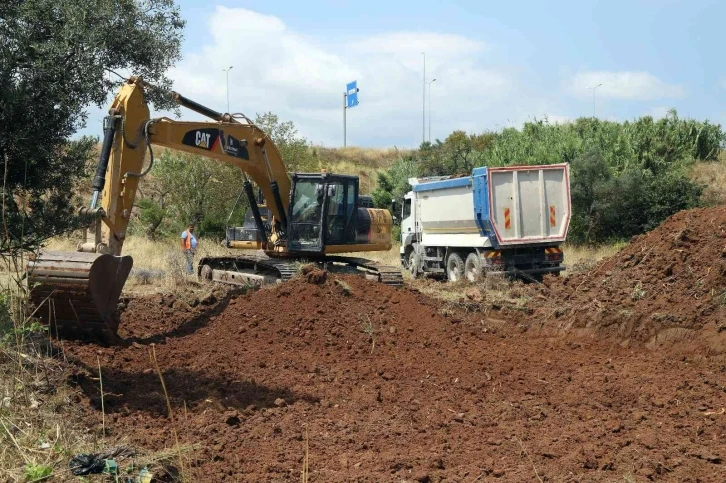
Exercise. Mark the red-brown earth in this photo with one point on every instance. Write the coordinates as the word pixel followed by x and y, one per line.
pixel 389 389
pixel 667 286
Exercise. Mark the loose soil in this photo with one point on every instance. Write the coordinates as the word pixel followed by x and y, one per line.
pixel 382 385
pixel 665 287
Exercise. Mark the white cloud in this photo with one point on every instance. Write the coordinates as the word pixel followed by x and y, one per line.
pixel 417 42
pixel 277 69
pixel 624 85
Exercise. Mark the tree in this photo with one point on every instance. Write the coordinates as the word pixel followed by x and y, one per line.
pixel 151 216
pixel 197 190
pixel 295 150
pixel 458 154
pixel 588 172
pixel 57 57
pixel 393 183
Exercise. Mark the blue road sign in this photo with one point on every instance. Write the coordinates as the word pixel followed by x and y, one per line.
pixel 351 94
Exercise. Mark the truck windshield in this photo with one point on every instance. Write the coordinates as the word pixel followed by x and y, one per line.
pixel 406 208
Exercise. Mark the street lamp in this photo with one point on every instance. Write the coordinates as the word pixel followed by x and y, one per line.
pixel 593 99
pixel 423 109
pixel 227 71
pixel 429 83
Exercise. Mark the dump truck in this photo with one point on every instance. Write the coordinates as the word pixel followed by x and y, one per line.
pixel 510 221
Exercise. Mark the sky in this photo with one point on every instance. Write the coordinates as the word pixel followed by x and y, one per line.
pixel 496 64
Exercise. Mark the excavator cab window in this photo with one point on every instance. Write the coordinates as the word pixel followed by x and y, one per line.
pixel 323 212
pixel 306 215
pixel 341 211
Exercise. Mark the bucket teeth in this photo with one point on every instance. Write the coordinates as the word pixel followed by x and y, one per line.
pixel 76 294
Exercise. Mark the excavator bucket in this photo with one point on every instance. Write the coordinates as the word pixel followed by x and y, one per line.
pixel 76 294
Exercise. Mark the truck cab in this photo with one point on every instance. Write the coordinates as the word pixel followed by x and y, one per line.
pixel 408 226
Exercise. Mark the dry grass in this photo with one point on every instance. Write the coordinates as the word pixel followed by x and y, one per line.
pixel 365 157
pixel 39 429
pixel 389 257
pixel 578 257
pixel 712 175
pixel 159 265
pixel 365 163
pixel 367 175
pixel 42 427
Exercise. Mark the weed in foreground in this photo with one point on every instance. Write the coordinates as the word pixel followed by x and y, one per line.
pixel 368 328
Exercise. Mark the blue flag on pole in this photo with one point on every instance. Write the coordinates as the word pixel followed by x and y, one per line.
pixel 352 94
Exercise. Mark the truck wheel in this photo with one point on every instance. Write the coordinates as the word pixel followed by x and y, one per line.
pixel 413 267
pixel 472 267
pixel 454 267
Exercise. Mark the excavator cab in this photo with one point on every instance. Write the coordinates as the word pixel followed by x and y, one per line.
pixel 323 212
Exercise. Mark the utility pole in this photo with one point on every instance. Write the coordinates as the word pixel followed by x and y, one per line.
pixel 593 99
pixel 431 82
pixel 345 108
pixel 227 71
pixel 423 109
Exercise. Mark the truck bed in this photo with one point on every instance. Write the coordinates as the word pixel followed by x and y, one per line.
pixel 496 207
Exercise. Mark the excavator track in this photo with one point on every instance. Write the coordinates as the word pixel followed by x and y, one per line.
pixel 258 270
pixel 385 274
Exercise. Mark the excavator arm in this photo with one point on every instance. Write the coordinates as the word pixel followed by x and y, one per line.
pixel 130 132
pixel 77 292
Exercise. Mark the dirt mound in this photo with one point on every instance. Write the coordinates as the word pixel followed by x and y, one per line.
pixel 667 285
pixel 313 274
pixel 389 389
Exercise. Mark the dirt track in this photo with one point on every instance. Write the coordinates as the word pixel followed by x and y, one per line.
pixel 427 397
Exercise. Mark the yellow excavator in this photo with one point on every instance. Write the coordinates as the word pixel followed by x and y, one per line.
pixel 294 217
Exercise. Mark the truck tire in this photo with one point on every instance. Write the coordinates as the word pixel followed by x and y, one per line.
pixel 472 267
pixel 454 267
pixel 413 265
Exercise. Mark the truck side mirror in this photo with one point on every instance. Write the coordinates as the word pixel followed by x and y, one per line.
pixel 394 209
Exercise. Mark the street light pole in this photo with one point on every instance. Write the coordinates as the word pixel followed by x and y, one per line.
pixel 429 83
pixel 423 109
pixel 593 99
pixel 227 70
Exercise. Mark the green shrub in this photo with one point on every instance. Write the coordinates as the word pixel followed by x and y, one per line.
pixel 626 178
pixel 35 472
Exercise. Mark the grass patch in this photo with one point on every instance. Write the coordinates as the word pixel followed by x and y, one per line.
pixel 344 287
pixel 580 258
pixel 712 176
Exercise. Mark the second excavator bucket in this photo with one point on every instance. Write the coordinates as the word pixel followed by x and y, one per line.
pixel 76 293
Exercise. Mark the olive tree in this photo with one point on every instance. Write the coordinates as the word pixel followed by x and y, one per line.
pixel 57 58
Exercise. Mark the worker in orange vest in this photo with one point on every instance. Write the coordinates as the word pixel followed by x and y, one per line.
pixel 189 247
